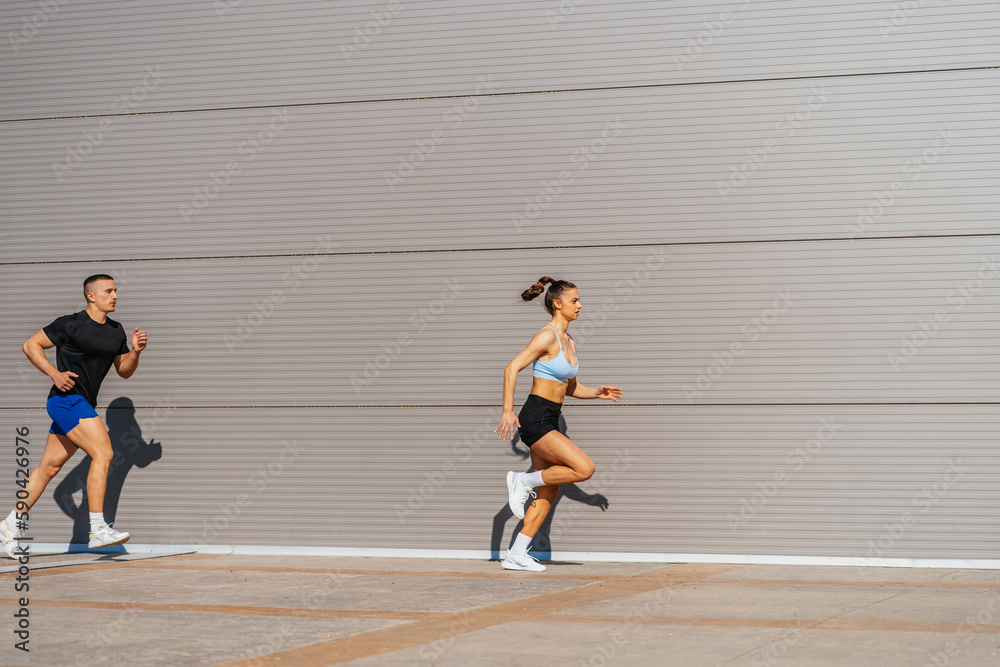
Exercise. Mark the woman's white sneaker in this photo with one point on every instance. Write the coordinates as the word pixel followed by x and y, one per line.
pixel 520 560
pixel 106 536
pixel 517 493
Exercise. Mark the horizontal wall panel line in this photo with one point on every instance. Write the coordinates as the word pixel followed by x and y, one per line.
pixel 435 406
pixel 722 242
pixel 644 86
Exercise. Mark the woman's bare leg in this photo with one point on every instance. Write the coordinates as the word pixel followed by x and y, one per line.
pixel 540 506
pixel 567 462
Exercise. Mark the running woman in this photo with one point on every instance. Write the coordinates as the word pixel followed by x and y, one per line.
pixel 87 344
pixel 555 458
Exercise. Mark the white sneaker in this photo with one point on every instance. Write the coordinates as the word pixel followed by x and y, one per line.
pixel 521 560
pixel 9 538
pixel 106 536
pixel 517 494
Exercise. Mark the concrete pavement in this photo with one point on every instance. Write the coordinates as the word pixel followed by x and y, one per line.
pixel 256 610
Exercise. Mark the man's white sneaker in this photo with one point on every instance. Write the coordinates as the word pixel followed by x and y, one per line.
pixel 106 536
pixel 517 493
pixel 521 560
pixel 9 538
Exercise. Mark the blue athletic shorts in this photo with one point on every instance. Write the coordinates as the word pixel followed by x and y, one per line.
pixel 67 411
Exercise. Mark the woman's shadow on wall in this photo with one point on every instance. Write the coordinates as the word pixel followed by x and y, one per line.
pixel 542 542
pixel 131 451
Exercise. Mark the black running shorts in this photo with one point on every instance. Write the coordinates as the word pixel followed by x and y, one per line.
pixel 538 417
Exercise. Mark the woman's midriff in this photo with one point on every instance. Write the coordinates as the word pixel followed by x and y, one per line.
pixel 551 390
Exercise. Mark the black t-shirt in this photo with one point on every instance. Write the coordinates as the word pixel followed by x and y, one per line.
pixel 86 348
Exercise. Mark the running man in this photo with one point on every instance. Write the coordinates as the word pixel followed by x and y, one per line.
pixel 87 344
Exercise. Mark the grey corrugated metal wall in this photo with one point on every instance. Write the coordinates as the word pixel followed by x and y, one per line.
pixel 782 220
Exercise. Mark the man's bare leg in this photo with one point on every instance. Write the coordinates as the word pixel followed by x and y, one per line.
pixel 58 450
pixel 92 437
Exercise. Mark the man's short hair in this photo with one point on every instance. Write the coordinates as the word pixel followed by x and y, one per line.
pixel 93 279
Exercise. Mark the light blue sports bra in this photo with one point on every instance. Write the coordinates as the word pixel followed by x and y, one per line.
pixel 558 368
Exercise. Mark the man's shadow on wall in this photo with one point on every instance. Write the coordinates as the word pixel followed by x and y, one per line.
pixel 542 542
pixel 130 451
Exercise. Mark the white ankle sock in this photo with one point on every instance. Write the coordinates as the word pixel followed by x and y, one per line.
pixel 532 479
pixel 12 521
pixel 96 519
pixel 521 543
